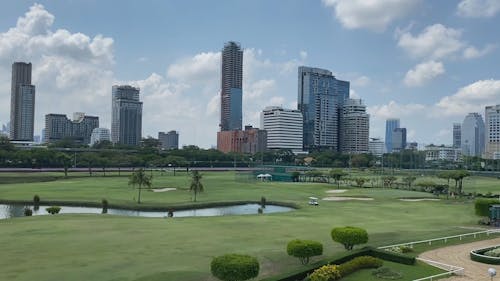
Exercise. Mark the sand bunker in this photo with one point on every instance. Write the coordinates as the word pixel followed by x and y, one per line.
pixel 336 191
pixel 164 189
pixel 420 199
pixel 347 198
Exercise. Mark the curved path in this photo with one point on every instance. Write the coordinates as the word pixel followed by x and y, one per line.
pixel 458 255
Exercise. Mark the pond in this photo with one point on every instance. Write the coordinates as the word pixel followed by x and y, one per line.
pixel 17 210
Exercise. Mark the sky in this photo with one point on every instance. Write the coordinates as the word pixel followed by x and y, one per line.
pixel 428 63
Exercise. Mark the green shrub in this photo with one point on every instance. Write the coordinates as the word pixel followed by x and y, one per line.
pixel 260 211
pixel 493 252
pixel 263 202
pixel 326 273
pixel 482 206
pixel 349 236
pixel 53 210
pixel 234 267
pixel 359 263
pixel 28 212
pixel 391 256
pixel 104 206
pixel 36 200
pixel 304 249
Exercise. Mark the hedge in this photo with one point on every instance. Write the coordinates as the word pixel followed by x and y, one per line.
pixel 234 267
pixel 478 255
pixel 391 256
pixel 482 206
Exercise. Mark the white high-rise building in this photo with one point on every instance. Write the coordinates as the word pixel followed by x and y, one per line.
pixel 473 135
pixel 492 120
pixel 99 135
pixel 376 146
pixel 284 128
pixel 354 127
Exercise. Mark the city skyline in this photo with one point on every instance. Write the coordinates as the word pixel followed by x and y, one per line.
pixel 76 62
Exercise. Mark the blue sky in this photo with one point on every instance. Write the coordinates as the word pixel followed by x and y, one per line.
pixel 428 63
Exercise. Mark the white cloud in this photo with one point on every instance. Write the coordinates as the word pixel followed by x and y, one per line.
pixel 303 55
pixel 423 73
pixel 478 8
pixel 472 52
pixel 471 98
pixel 395 110
pixel 201 67
pixel 353 94
pixel 435 42
pixel 374 15
pixel 361 81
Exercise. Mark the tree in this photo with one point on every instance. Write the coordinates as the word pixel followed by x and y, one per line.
pixel 64 160
pixel 140 178
pixel 234 267
pixel 337 175
pixel 304 249
pixel 196 185
pixel 388 181
pixel 409 180
pixel 360 182
pixel 349 236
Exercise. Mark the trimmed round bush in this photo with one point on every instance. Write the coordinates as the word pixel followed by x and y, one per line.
pixel 304 249
pixel 53 210
pixel 28 212
pixel 326 273
pixel 234 267
pixel 349 236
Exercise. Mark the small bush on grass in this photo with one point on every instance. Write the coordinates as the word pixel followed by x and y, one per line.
pixel 304 249
pixel 349 236
pixel 234 267
pixel 326 273
pixel 359 263
pixel 263 202
pixel 387 273
pixel 104 206
pixel 36 200
pixel 53 210
pixel 28 212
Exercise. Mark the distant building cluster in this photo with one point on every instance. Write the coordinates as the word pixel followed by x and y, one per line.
pixel 169 140
pixel 79 129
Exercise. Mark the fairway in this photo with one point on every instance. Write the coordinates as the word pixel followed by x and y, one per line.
pixel 106 247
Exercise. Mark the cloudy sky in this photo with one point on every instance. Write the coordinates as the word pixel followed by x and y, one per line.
pixel 428 63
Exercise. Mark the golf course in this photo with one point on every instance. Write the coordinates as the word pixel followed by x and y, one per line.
pixel 112 247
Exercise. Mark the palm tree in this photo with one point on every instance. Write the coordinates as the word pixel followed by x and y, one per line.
pixel 196 185
pixel 140 178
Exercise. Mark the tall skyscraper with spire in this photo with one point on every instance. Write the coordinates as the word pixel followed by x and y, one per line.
pixel 22 103
pixel 231 87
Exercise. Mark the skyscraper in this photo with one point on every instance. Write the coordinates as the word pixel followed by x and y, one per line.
pixel 320 98
pixel 473 135
pixel 398 139
pixel 355 127
pixel 390 125
pixel 284 128
pixel 126 124
pixel 58 127
pixel 231 87
pixel 169 140
pixel 492 118
pixel 22 103
pixel 457 135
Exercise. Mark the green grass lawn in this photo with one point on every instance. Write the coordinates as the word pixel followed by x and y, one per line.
pixel 106 247
pixel 408 272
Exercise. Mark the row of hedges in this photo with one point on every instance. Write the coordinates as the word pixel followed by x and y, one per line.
pixel 478 255
pixel 303 272
pixel 335 272
pixel 482 206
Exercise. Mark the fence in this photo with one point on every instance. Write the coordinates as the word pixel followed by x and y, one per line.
pixel 450 270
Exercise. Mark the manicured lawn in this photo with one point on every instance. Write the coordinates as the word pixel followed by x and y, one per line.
pixel 409 272
pixel 105 247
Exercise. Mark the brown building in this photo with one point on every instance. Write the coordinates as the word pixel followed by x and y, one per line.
pixel 251 140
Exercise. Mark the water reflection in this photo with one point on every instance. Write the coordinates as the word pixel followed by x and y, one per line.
pixel 15 210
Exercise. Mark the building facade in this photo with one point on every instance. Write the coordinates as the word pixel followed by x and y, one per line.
pixel 376 147
pixel 442 153
pixel 231 87
pixel 169 140
pixel 473 133
pixel 354 127
pixel 398 139
pixel 320 99
pixel 492 122
pixel 22 103
pixel 251 140
pixel 284 128
pixel 99 135
pixel 390 125
pixel 59 126
pixel 126 108
pixel 457 135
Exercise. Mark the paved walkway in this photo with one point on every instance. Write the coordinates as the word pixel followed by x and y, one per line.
pixel 459 256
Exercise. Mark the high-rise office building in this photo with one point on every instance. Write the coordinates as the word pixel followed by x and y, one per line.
pixel 376 147
pixel 251 140
pixel 99 135
pixel 390 125
pixel 169 140
pixel 58 127
pixel 457 135
pixel 355 127
pixel 398 139
pixel 126 124
pixel 22 103
pixel 320 99
pixel 284 128
pixel 231 87
pixel 473 135
pixel 492 120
